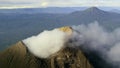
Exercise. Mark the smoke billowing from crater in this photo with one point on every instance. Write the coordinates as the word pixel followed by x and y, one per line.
pixel 95 38
pixel 46 43
pixel 91 37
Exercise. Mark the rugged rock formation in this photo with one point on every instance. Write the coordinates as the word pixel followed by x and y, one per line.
pixel 18 56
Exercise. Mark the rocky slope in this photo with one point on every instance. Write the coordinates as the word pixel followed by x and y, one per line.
pixel 18 56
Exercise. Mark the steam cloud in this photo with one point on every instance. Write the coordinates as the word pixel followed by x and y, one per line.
pixel 93 37
pixel 46 43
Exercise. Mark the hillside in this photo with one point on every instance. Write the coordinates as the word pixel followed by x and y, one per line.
pixel 18 56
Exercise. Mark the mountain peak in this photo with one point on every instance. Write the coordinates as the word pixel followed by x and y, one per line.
pixel 93 9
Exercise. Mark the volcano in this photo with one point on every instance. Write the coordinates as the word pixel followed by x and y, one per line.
pixel 20 56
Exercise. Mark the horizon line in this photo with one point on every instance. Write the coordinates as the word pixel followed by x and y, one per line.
pixel 27 7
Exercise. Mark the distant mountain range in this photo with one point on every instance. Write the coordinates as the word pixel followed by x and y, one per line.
pixel 43 10
pixel 17 26
pixel 105 18
pixel 115 10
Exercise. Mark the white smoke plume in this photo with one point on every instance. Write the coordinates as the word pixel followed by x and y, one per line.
pixel 46 43
pixel 93 37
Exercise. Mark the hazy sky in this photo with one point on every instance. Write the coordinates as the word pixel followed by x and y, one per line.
pixel 57 3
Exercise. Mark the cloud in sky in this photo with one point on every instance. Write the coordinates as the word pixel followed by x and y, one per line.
pixel 57 3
